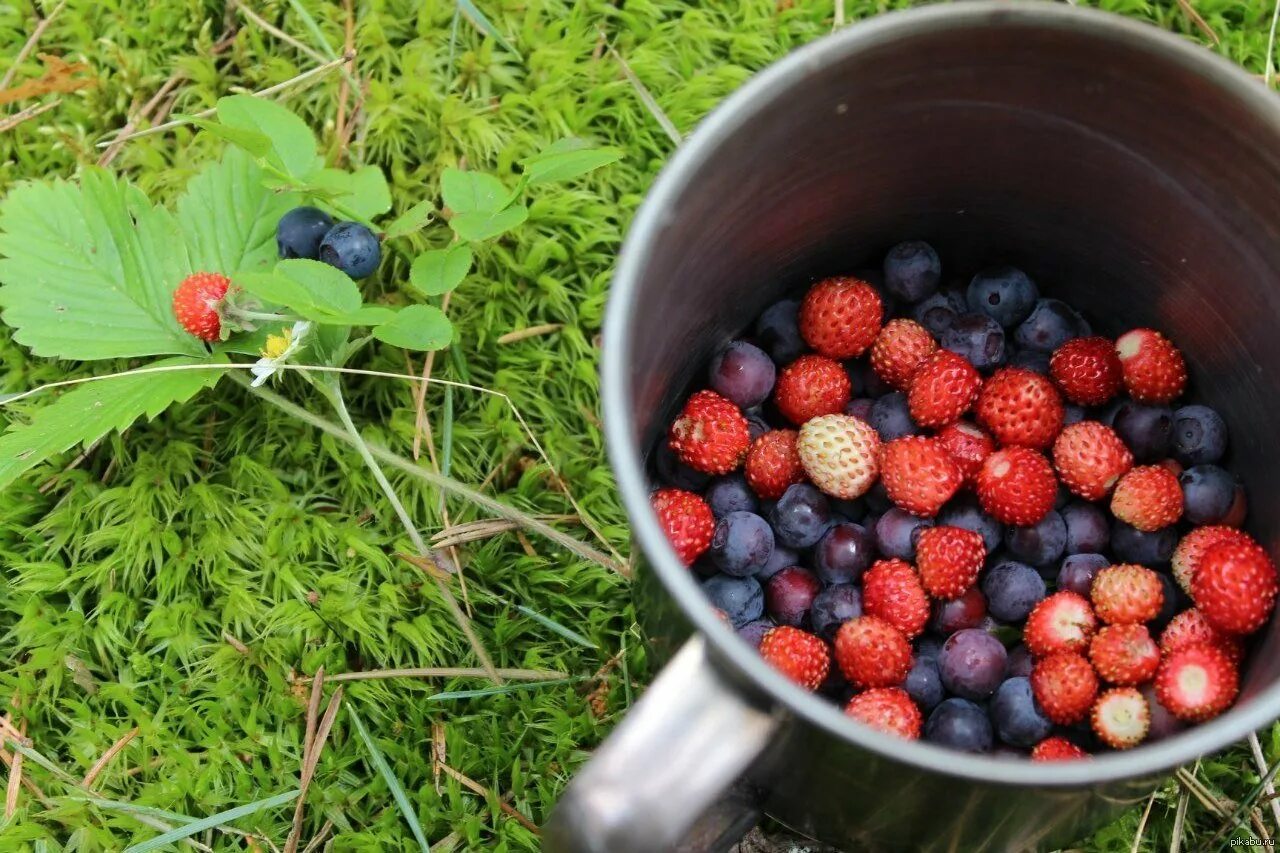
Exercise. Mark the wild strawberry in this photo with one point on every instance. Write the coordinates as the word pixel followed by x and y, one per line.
pixel 887 709
pixel 197 304
pixel 1126 594
pixel 968 446
pixel 1235 587
pixel 1090 459
pixel 810 386
pixel 1189 628
pixel 840 454
pixel 1057 749
pixel 949 559
pixel 1153 369
pixel 1124 654
pixel 841 316
pixel 711 434
pixel 1087 370
pixel 1063 622
pixel 891 590
pixel 1186 557
pixel 872 653
pixel 1121 718
pixel 918 474
pixel 687 521
pixel 1020 407
pixel 943 388
pixel 1197 683
pixel 1148 497
pixel 798 655
pixel 773 463
pixel 899 350
pixel 1016 486
pixel 1065 685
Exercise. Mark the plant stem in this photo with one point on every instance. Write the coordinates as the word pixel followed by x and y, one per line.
pixel 262 316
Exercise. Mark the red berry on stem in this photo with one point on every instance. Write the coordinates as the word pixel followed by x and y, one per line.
pixel 197 304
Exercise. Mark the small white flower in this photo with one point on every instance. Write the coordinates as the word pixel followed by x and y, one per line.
pixel 279 349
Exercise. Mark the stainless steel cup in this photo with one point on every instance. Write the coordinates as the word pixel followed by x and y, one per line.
pixel 1129 171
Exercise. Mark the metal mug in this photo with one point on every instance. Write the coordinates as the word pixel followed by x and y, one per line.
pixel 1126 169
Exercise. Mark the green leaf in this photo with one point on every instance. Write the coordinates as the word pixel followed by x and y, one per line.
pixel 313 289
pixel 251 141
pixel 88 271
pixel 221 818
pixel 93 409
pixel 417 327
pixel 472 192
pixel 567 159
pixel 483 226
pixel 364 192
pixel 411 220
pixel 389 777
pixel 440 270
pixel 293 145
pixel 483 24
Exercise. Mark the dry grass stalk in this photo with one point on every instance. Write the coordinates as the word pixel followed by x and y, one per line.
pixel 101 764
pixel 473 785
pixel 530 332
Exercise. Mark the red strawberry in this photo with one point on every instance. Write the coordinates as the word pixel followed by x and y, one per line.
pixel 711 434
pixel 1126 594
pixel 968 446
pixel 1148 497
pixel 687 521
pixel 1121 718
pixel 840 454
pixel 798 655
pixel 1020 407
pixel 773 463
pixel 1016 486
pixel 1197 683
pixel 918 474
pixel 1186 557
pixel 197 303
pixel 1063 622
pixel 1153 369
pixel 1090 459
pixel 899 350
pixel 891 590
pixel 1124 654
pixel 840 317
pixel 1189 628
pixel 1235 587
pixel 1065 685
pixel 887 709
pixel 872 653
pixel 1057 749
pixel 1087 370
pixel 810 386
pixel 949 559
pixel 942 389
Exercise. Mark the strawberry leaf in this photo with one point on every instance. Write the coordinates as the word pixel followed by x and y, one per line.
pixel 418 327
pixel 312 289
pixel 293 145
pixel 566 159
pixel 472 192
pixel 483 225
pixel 438 271
pixel 364 192
pixel 411 220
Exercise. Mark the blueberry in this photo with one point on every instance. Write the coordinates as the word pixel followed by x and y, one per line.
pixel 1005 294
pixel 924 685
pixel 1052 323
pixel 778 331
pixel 1174 602
pixel 877 498
pixel 978 338
pixel 740 599
pixel 1087 531
pixel 1207 494
pixel 781 557
pixel 959 724
pixel 967 611
pixel 1019 663
pixel 1012 589
pixel 742 374
pixel 1030 359
pixel 854 510
pixel 1131 545
pixel 1017 716
pixel 789 594
pixel 860 408
pixel 1078 571
pixel 834 606
pixel 756 424
pixel 865 381
pixel 801 516
pixel 1163 724
pixel 965 512
pixel 675 473
pixel 741 544
pixel 891 418
pixel 1073 414
pixel 753 632
pixel 299 232
pixel 912 271
pixel 938 312
pixel 352 248
pixel 730 494
pixel 897 533
pixel 1199 435
pixel 843 553
pixel 972 664
pixel 928 647
pixel 1148 430
pixel 1039 544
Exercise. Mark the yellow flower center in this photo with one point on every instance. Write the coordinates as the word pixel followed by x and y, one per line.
pixel 277 344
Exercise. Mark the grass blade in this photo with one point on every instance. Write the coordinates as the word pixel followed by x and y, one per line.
pixel 483 24
pixel 388 776
pixel 505 688
pixel 187 830
pixel 554 626
pixel 134 809
pixel 317 35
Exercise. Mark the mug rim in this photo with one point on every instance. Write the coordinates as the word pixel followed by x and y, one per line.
pixel 626 458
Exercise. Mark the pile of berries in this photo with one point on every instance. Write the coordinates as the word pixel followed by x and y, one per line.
pixel 964 516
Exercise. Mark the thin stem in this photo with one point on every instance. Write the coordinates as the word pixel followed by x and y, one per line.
pixel 261 316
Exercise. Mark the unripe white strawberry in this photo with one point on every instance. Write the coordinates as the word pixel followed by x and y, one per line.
pixel 839 453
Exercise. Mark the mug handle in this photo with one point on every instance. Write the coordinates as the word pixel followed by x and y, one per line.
pixel 662 780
